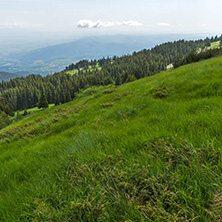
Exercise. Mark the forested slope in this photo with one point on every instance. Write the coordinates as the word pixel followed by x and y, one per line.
pixel 59 88
pixel 149 150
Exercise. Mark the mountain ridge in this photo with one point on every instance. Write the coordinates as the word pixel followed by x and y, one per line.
pixel 55 58
pixel 6 76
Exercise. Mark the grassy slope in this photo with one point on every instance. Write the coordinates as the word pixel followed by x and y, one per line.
pixel 30 111
pixel 120 153
pixel 214 45
pixel 34 110
pixel 75 71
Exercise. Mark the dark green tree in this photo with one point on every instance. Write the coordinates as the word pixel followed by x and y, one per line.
pixel 118 80
pixel 57 101
pixel 130 78
pixel 25 112
pixel 43 103
pixel 4 120
pixel 24 92
pixel 18 115
pixel 179 60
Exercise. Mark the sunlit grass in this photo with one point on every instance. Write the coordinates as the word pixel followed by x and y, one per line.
pixel 35 109
pixel 29 111
pixel 90 68
pixel 149 150
pixel 214 45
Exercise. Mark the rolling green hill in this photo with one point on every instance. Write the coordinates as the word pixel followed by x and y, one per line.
pixel 61 87
pixel 214 45
pixel 149 150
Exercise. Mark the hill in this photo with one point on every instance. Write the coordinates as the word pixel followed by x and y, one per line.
pixel 6 76
pixel 149 150
pixel 61 87
pixel 56 57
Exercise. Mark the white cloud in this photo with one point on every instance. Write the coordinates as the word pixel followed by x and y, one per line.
pixel 163 24
pixel 132 23
pixel 99 24
pixel 19 25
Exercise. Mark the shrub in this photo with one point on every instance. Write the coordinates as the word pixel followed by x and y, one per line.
pixel 162 92
pixel 107 105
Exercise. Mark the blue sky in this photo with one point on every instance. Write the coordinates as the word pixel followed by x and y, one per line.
pixel 96 16
pixel 31 22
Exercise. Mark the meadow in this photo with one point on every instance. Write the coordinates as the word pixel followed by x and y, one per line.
pixel 214 45
pixel 32 110
pixel 90 68
pixel 149 150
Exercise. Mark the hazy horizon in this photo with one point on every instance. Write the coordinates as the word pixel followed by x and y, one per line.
pixel 38 23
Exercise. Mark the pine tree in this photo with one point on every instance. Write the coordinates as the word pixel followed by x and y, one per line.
pixel 130 78
pixel 43 103
pixel 56 99
pixel 18 115
pixel 25 112
pixel 67 97
pixel 118 80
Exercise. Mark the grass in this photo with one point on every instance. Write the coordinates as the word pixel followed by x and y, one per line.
pixel 75 71
pixel 34 109
pixel 30 111
pixel 149 150
pixel 214 45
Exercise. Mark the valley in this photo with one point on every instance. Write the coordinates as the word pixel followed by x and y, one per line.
pixel 56 57
pixel 110 111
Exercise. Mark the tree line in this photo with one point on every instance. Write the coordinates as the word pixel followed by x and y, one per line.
pixel 195 56
pixel 24 92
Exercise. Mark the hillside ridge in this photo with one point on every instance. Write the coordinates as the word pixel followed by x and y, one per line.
pixel 59 88
pixel 145 150
pixel 6 76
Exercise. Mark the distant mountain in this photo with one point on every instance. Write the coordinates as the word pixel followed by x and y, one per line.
pixel 55 58
pixel 91 47
pixel 6 76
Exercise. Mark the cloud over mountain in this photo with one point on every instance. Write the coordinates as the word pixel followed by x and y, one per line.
pixel 100 24
pixel 163 24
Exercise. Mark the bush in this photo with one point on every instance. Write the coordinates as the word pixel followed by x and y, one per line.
pixel 107 105
pixel 25 112
pixel 4 120
pixel 162 92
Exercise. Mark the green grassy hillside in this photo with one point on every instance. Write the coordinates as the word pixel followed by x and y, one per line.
pixel 31 110
pixel 149 150
pixel 214 45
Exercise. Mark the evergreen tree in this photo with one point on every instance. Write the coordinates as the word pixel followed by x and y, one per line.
pixel 18 115
pixel 130 78
pixel 4 120
pixel 43 103
pixel 25 112
pixel 67 97
pixel 24 92
pixel 118 80
pixel 179 60
pixel 57 99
